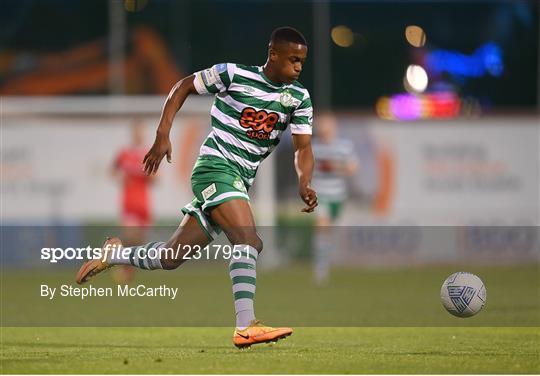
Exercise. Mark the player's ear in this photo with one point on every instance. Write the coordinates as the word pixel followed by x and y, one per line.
pixel 272 54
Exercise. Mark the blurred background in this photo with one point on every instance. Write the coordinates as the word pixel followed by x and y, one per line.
pixel 426 140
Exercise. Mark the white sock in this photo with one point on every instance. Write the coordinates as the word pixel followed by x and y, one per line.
pixel 243 276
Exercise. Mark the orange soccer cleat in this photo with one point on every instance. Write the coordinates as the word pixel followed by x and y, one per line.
pixel 93 267
pixel 257 332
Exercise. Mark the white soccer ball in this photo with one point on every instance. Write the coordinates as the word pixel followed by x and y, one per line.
pixel 463 294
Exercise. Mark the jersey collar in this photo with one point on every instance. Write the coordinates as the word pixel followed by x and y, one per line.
pixel 261 72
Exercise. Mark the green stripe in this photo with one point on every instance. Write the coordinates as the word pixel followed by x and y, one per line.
pixel 243 295
pixel 250 68
pixel 244 279
pixel 211 88
pixel 241 265
pixel 300 120
pixel 224 76
pixel 241 135
pixel 140 260
pixel 305 104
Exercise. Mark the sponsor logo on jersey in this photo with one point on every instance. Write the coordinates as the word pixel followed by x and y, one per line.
pixel 260 123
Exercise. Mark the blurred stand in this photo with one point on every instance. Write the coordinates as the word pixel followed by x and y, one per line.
pixel 87 68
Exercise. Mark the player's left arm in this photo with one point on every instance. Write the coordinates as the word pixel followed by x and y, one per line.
pixel 301 124
pixel 303 163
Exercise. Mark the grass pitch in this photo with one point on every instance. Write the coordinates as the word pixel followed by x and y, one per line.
pixel 309 350
pixel 363 321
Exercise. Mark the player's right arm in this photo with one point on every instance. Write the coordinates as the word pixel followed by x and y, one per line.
pixel 162 144
pixel 209 81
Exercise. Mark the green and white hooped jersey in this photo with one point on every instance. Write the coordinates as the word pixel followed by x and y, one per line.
pixel 328 181
pixel 249 114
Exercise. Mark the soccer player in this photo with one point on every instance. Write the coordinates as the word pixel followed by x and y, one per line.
pixel 135 195
pixel 336 162
pixel 253 106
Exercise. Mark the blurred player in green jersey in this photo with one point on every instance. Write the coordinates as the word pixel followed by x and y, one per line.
pixel 335 163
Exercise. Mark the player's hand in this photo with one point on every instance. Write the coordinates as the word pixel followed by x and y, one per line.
pixel 162 147
pixel 309 196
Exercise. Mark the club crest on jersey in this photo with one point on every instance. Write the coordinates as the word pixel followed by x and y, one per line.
pixel 260 124
pixel 286 98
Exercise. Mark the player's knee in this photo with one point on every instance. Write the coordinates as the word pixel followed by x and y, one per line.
pixel 172 259
pixel 257 244
pixel 248 237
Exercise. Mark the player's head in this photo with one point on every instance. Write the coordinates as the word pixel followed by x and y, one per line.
pixel 326 126
pixel 287 53
pixel 137 132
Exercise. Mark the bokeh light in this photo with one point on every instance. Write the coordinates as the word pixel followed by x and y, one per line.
pixel 135 5
pixel 342 36
pixel 415 35
pixel 416 79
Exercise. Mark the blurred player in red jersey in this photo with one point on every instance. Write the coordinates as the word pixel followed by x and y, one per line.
pixel 135 195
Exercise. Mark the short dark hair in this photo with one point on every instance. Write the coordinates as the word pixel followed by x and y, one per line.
pixel 287 34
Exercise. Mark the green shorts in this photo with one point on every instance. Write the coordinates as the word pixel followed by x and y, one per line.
pixel 329 208
pixel 213 182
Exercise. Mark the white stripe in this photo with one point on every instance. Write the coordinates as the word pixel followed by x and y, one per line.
pixel 231 68
pixel 206 150
pixel 237 287
pixel 322 185
pixel 243 304
pixel 247 248
pixel 243 272
pixel 300 129
pixel 202 217
pixel 224 196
